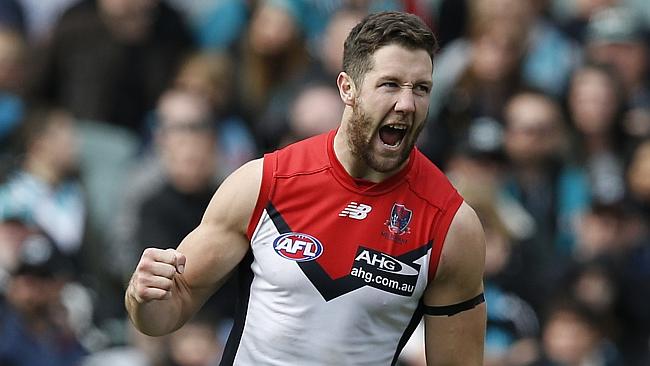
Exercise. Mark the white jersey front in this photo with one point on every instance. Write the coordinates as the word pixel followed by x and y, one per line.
pixel 337 267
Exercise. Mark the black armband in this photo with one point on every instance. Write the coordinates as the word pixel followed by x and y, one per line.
pixel 454 309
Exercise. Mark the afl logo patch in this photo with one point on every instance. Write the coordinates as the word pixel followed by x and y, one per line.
pixel 298 247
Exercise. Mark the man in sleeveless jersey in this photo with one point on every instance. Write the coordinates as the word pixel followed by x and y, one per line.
pixel 342 241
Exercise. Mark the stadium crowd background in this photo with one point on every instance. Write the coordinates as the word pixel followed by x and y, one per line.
pixel 119 118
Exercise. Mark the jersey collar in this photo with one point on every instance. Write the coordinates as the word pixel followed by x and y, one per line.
pixel 363 186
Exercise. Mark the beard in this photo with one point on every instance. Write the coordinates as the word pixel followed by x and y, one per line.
pixel 360 136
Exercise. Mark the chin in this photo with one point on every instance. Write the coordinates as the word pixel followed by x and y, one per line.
pixel 386 164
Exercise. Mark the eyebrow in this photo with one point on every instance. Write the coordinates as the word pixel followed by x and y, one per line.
pixel 397 80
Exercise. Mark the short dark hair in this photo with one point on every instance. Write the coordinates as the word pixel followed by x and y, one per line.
pixel 380 29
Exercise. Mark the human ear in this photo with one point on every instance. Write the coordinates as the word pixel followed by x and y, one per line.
pixel 347 89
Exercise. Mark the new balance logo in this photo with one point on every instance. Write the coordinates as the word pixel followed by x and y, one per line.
pixel 357 211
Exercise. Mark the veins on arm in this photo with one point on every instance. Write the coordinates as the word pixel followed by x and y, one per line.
pixel 219 243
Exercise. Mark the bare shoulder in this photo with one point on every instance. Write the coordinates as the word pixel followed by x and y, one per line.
pixel 215 247
pixel 460 271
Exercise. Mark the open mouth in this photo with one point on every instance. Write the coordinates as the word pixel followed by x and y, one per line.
pixel 392 135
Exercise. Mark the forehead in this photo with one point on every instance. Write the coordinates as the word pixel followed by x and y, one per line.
pixel 181 108
pixel 399 62
pixel 531 111
pixel 591 76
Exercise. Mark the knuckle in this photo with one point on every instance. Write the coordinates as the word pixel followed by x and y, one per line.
pixel 147 294
pixel 145 266
pixel 172 272
pixel 166 271
pixel 146 281
pixel 141 294
pixel 170 255
pixel 149 252
pixel 166 284
pixel 155 282
pixel 155 294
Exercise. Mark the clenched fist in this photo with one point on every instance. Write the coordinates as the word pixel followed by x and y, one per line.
pixel 153 278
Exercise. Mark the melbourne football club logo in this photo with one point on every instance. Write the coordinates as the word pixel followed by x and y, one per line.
pixel 399 220
pixel 298 247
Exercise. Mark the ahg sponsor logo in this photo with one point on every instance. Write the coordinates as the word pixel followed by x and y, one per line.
pixel 384 272
pixel 385 262
pixel 298 247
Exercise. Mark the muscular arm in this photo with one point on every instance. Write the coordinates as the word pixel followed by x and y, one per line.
pixel 169 286
pixel 458 339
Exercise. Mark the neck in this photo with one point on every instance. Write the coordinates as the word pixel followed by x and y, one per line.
pixel 596 143
pixel 42 170
pixel 532 174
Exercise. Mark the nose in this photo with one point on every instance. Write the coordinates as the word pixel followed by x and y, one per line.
pixel 405 101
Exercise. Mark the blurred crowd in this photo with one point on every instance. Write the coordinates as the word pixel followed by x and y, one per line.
pixel 119 119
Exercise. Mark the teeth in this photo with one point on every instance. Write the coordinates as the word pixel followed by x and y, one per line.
pixel 398 127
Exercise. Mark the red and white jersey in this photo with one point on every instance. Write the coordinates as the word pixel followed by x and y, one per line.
pixel 337 266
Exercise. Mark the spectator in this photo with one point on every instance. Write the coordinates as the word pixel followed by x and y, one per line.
pixel 634 280
pixel 210 75
pixel 218 26
pixel 272 52
pixel 572 337
pixel 595 106
pixel 196 344
pixel 551 190
pixel 44 189
pixel 451 20
pixel 600 234
pixel 512 325
pixel 12 233
pixel 186 144
pixel 136 350
pixel 595 285
pixel 166 200
pixel 325 68
pixel 591 273
pixel 180 116
pixel 566 211
pixel 41 17
pixel 545 57
pixel 478 167
pixel 330 52
pixel 33 321
pixel 316 108
pixel 637 172
pixel 616 36
pixel 574 24
pixel 12 15
pixel 13 54
pixel 109 60
pixel 490 78
pixel 551 56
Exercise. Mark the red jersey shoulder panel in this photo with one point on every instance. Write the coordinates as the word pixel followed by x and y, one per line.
pixel 431 184
pixel 303 157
